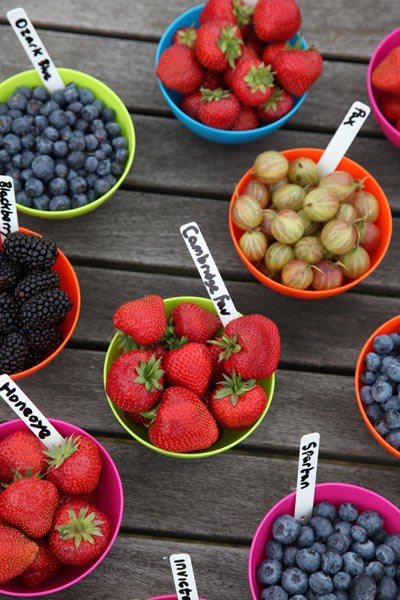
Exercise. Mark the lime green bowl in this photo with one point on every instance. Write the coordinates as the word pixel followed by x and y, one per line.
pixel 228 439
pixel 101 92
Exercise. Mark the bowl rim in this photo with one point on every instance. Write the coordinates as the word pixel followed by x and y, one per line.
pixel 76 212
pixel 367 347
pixel 206 129
pixel 185 455
pixel 116 484
pixel 371 92
pixel 315 153
pixel 67 337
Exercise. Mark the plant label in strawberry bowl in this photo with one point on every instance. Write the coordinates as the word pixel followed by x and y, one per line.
pixel 306 477
pixel 182 572
pixel 343 137
pixel 34 47
pixel 209 272
pixel 8 207
pixel 33 418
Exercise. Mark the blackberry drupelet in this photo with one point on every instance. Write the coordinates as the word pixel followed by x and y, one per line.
pixel 44 340
pixel 45 310
pixel 33 358
pixel 13 353
pixel 30 251
pixel 8 313
pixel 36 283
pixel 9 274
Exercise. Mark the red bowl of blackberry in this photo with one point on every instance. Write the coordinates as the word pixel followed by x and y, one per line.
pixel 39 302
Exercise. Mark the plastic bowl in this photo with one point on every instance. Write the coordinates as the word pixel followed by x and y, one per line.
pixel 227 440
pixel 172 98
pixel 384 222
pixel 170 597
pixel 109 499
pixel 382 50
pixel 391 326
pixel 69 283
pixel 336 493
pixel 110 99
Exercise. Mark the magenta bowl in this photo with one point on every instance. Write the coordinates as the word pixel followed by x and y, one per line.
pixel 109 499
pixel 386 45
pixel 336 493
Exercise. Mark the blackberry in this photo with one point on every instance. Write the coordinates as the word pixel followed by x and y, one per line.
pixel 9 274
pixel 45 310
pixel 13 353
pixel 33 358
pixel 36 283
pixel 30 251
pixel 8 313
pixel 44 340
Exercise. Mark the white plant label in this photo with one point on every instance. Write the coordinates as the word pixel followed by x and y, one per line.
pixel 34 47
pixel 29 413
pixel 306 477
pixel 344 137
pixel 182 572
pixel 8 207
pixel 209 272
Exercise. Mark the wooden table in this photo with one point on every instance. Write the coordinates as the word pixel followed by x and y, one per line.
pixel 131 246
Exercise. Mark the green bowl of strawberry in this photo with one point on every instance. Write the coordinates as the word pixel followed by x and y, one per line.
pixel 227 438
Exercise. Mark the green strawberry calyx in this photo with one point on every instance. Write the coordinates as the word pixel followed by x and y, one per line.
pixel 150 414
pixel 58 455
pixel 259 78
pixel 230 44
pixel 228 344
pixel 149 373
pixel 233 387
pixel 210 95
pixel 272 103
pixel 170 340
pixel 188 36
pixel 83 526
pixel 242 12
pixel 126 343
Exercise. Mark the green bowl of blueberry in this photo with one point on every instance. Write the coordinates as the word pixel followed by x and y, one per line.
pixel 68 151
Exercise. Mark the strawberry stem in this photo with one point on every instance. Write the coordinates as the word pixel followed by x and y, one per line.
pixel 59 454
pixel 234 387
pixel 230 44
pixel 83 526
pixel 149 373
pixel 228 344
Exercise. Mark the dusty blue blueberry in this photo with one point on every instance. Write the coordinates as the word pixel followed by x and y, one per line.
pixel 12 143
pixel 375 570
pixel 121 155
pixel 48 107
pixel 391 418
pixel 3 108
pixel 390 570
pixel 77 142
pixel 72 174
pixel 40 93
pixel 60 149
pixel 368 377
pixel 82 125
pixel 331 562
pixel 24 89
pixel 41 122
pixel 393 540
pixel 110 180
pixel 113 129
pixel 358 533
pixel 62 202
pixel 5 124
pixel 66 133
pixel 78 185
pixel 97 124
pixel 289 556
pixel 101 186
pixel 386 361
pixel 342 581
pixel 101 136
pixel 285 529
pixel 100 154
pixel 33 108
pixel 58 96
pixel 91 164
pixel 90 112
pixel 107 149
pixel 71 117
pixel 366 550
pixel 321 583
pixel 26 159
pixel 327 597
pixel 308 560
pixel 394 371
pixel 14 113
pixel 85 96
pixel 382 344
pixel 274 549
pixel 104 168
pixel 34 187
pixel 352 563
pixel 275 592
pixel 17 101
pixel 28 141
pixel 362 587
pixel 92 195
pixel 26 174
pixel 322 528
pixel 16 161
pixel 319 547
pixel 393 438
pixel 108 114
pixel 386 588
pixel 385 554
pixel 23 199
pixel 348 510
pixel 379 537
pixel 58 119
pixel 21 125
pixel 294 581
pixel 44 145
pixel 306 537
pixel 117 168
pixel 374 412
pixel 58 186
pixel 341 595
pixel 392 404
pixel 4 157
pixel 269 571
pixel 41 202
pixel 71 94
pixel 91 142
pixel 51 133
pixel 395 337
pixel 79 200
pixel 75 107
pixel 91 179
pixel 99 104
pixel 339 542
pixel 76 159
pixel 43 167
pixel 61 169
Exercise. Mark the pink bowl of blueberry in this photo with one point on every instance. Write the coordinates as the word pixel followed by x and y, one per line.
pixel 67 151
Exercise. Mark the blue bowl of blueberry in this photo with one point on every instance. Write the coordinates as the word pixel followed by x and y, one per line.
pixel 68 151
pixel 349 549
pixel 377 385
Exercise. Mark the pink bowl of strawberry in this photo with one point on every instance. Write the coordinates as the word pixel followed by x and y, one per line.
pixel 59 527
pixel 233 74
pixel 182 400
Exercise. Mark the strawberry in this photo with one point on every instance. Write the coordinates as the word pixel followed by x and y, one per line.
pixel 247 119
pixel 135 380
pixel 144 319
pixel 386 76
pixel 186 36
pixel 296 70
pixel 21 451
pixel 247 53
pixel 218 45
pixel 66 498
pixel 272 50
pixel 183 423
pixel 250 345
pixel 276 20
pixel 213 80
pixel 179 70
pixel 280 103
pixel 75 465
pixel 230 11
pixel 138 418
pixel 17 552
pixel 190 103
pixel 189 366
pixel 390 107
pixel 237 404
pixel 194 322
pixel 397 125
pixel 252 41
pixel 29 504
pixel 80 533
pixel 252 82
pixel 45 566
pixel 218 108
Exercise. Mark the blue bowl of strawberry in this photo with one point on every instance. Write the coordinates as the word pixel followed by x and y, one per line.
pixel 184 402
pixel 249 88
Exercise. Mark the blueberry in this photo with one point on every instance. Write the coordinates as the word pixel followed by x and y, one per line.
pixel 331 562
pixel 358 533
pixel 26 174
pixel 352 563
pixel 383 344
pixel 289 556
pixel 97 124
pixel 91 180
pixel 17 101
pixel 319 547
pixel 107 149
pixel 58 119
pixel 108 115
pixel 394 371
pixel 101 187
pixel 100 154
pixel 71 93
pixel 21 125
pixel 79 200
pixel 14 113
pixel 392 404
pixel 381 391
pixel 386 361
pixel 24 89
pixel 104 168
pixel 385 554
pixel 90 112
pixel 339 595
pixel 75 107
pixel 41 202
pixel 60 149
pixel 386 588
pixel 395 337
pixel 274 550
pixel 393 438
pixel 374 569
pixel 285 529
pixel 5 124
pixel 82 125
pixel 371 520
pixel 390 570
pixel 391 418
pixel 15 174
pixel 101 136
pixel 40 93
pixel 78 185
pixel 91 164
pixel 3 108
pixel 85 96
pixel 16 161
pixel 117 168
pixel 121 155
pixel 308 560
pixel 374 412
pixel 34 107
pixel 99 104
pixel 60 203
pixel 58 186
pixel 327 597
pixel 294 581
pixel 23 199
pixel 12 143
pixel 363 587
pixel 34 187
pixel 393 540
pixel 4 157
pixel 66 133
pixel 28 142
pixel 322 528
pixel 61 170
pixel 43 167
pixel 379 537
pixel 48 107
pixel 298 597
pixel 275 592
pixel 44 146
pixel 51 133
pixel 91 142
pixel 76 142
pixel 71 117
pixel 113 130
pixel 72 174
pixel 76 159
pixel 368 377
pixel 339 542
pixel 41 122
pixel 58 96
pixel 366 550
pixel 306 537
pixel 341 581
pixel 321 583
pixel 269 571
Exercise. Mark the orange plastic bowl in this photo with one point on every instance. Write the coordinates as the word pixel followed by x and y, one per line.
pixel 391 326
pixel 69 283
pixel 384 223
